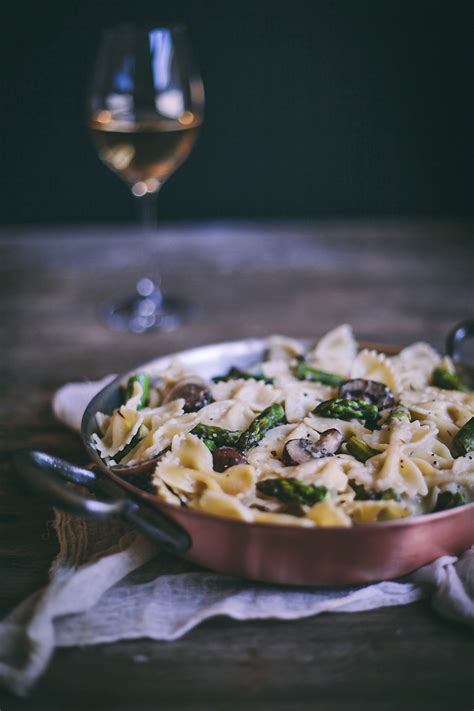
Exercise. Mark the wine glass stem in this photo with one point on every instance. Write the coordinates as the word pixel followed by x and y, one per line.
pixel 147 210
pixel 149 223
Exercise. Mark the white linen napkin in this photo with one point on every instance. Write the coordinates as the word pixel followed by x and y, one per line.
pixel 110 583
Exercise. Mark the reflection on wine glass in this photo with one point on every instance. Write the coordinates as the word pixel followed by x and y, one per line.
pixel 145 108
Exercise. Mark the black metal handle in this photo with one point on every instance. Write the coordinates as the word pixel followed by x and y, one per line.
pixel 457 336
pixel 48 475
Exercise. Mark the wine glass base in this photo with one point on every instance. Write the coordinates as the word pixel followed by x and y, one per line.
pixel 138 315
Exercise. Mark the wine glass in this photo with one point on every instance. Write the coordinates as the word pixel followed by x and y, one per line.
pixel 145 108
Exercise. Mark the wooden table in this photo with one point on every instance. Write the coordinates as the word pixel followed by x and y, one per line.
pixel 394 281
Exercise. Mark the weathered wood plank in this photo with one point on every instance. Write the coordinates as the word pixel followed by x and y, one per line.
pixel 379 659
pixel 392 282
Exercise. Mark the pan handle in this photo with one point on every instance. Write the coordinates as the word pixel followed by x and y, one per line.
pixel 47 475
pixel 457 336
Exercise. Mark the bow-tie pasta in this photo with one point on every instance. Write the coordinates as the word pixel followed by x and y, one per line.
pixel 330 436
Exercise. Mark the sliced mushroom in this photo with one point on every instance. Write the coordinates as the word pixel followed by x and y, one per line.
pixel 370 391
pixel 329 441
pixel 225 457
pixel 299 451
pixel 194 392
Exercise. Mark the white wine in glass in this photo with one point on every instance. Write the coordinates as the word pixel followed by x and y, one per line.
pixel 145 109
pixel 144 155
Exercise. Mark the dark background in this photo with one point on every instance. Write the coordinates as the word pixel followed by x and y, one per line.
pixel 319 108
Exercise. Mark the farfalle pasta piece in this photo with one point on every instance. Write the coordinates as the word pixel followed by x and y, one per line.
pixel 371 365
pixel 280 371
pixel 434 457
pixel 397 470
pixel 167 495
pixel 122 426
pixel 414 365
pixel 229 414
pixel 461 473
pixel 193 453
pixel 372 511
pixel 162 424
pixel 160 439
pixel 185 480
pixel 102 422
pixel 432 394
pixel 301 398
pixel 335 352
pixel 237 480
pixel 447 415
pixel 266 458
pixel 157 416
pixel 221 504
pixel 282 348
pixel 354 470
pixel 254 393
pixel 168 377
pixel 326 513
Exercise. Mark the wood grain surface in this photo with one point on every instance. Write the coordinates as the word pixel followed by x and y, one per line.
pixel 393 281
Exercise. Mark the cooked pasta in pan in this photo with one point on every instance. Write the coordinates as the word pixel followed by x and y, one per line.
pixel 333 436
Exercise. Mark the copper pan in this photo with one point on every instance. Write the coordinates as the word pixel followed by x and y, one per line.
pixel 271 553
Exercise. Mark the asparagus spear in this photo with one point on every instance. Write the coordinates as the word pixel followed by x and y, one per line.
pixel 449 500
pixel 463 441
pixel 341 409
pixel 305 372
pixel 360 450
pixel 292 490
pixel 144 380
pixel 214 437
pixel 363 494
pixel 443 378
pixel 238 374
pixel 268 418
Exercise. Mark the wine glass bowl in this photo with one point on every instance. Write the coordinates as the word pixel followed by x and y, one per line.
pixel 145 109
pixel 144 156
